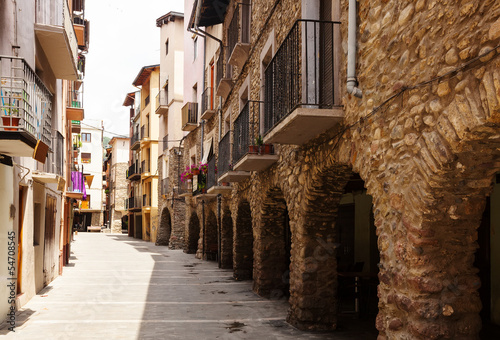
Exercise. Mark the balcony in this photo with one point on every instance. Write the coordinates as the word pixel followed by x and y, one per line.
pixel 82 32
pixel 213 187
pixel 225 170
pixel 207 103
pixel 238 37
pixel 248 155
pixel 200 186
pixel 189 116
pixel 135 141
pixel 76 126
pixel 54 30
pixel 145 168
pixel 25 108
pixel 224 78
pixel 134 203
pixel 76 186
pixel 74 101
pixel 165 143
pixel 162 102
pixel 300 101
pixel 134 172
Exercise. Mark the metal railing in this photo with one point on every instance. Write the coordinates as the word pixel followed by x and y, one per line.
pixel 133 170
pixel 211 173
pixel 25 102
pixel 201 186
pixel 220 67
pixel 189 114
pixel 224 160
pixel 134 202
pixel 165 143
pixel 75 94
pixel 239 27
pixel 135 138
pixel 245 129
pixel 301 72
pixel 207 100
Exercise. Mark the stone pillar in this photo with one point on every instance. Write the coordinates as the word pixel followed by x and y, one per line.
pixel 428 284
pixel 226 239
pixel 243 243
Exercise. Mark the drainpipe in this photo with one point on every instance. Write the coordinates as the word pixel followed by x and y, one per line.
pixel 219 230
pixel 352 81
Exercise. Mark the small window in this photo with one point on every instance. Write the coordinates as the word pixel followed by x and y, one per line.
pixel 86 157
pixel 86 137
pixel 195 48
pixel 166 47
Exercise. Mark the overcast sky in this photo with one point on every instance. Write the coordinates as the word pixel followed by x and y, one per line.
pixel 123 38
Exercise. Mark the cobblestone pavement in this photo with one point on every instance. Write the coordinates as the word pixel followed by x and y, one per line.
pixel 123 288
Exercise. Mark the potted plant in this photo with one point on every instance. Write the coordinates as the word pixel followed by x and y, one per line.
pixel 10 116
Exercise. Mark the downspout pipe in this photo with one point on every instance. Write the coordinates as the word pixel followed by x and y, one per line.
pixel 352 81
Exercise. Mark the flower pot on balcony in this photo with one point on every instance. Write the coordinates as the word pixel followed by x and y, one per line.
pixel 253 149
pixel 266 149
pixel 225 184
pixel 10 121
pixel 196 172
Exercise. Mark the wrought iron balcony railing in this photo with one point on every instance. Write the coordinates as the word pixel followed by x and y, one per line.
pixel 135 138
pixel 145 131
pixel 145 166
pixel 189 114
pixel 211 173
pixel 207 100
pixel 301 73
pixel 239 27
pixel 25 102
pixel 224 161
pixel 75 94
pixel 245 129
pixel 146 200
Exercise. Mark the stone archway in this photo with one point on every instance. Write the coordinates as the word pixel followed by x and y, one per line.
pixel 243 243
pixel 163 238
pixel 273 246
pixel 226 239
pixel 193 234
pixel 211 244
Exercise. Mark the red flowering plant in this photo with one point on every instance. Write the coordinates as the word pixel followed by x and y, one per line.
pixel 187 174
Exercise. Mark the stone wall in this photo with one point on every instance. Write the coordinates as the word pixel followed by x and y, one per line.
pixel 120 192
pixel 424 138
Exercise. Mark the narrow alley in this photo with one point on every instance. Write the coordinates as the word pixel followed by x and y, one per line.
pixel 122 288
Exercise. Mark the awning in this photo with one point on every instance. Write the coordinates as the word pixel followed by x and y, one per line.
pixel 207 150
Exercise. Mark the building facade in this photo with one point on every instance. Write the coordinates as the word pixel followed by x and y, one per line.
pixel 89 162
pixel 41 58
pixel 169 105
pixel 144 146
pixel 361 153
pixel 117 163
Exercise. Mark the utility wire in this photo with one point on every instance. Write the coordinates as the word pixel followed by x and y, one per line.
pixel 451 74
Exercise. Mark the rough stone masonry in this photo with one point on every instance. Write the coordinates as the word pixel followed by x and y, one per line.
pixel 424 138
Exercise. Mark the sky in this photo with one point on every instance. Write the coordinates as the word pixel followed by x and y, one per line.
pixel 123 39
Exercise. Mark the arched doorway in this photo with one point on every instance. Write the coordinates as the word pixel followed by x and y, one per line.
pixel 243 243
pixel 193 234
pixel 226 240
pixel 272 264
pixel 357 256
pixel 163 238
pixel 211 245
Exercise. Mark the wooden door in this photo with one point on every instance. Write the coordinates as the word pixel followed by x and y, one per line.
pixel 50 241
pixel 20 239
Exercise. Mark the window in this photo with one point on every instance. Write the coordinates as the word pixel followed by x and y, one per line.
pixel 195 48
pixel 86 157
pixel 86 137
pixel 166 47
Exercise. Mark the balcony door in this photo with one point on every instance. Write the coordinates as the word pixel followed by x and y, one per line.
pixel 326 55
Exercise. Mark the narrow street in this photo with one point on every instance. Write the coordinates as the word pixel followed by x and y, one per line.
pixel 122 288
